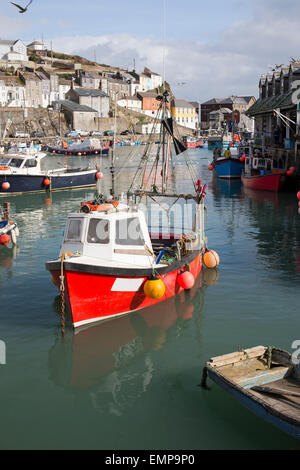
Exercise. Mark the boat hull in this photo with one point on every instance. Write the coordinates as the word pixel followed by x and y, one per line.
pixel 20 184
pixel 193 145
pixel 95 296
pixel 229 168
pixel 272 182
pixel 255 406
pixel 77 153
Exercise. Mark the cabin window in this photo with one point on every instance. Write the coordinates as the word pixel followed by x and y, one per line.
pixel 74 231
pixel 128 232
pixel 98 232
pixel 16 163
pixel 31 163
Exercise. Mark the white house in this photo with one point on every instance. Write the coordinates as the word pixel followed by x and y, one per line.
pixel 13 50
pixel 37 46
pixel 131 102
pixel 63 87
pixel 12 92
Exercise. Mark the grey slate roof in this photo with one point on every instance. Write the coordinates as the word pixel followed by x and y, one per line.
pixel 267 105
pixel 90 92
pixel 72 106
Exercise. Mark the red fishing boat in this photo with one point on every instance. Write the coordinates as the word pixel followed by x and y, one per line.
pixel 192 143
pixel 260 174
pixel 110 263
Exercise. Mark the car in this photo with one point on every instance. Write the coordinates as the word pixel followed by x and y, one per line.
pixel 24 135
pixel 108 133
pixel 37 134
pixel 127 132
pixel 96 133
pixel 72 134
pixel 83 133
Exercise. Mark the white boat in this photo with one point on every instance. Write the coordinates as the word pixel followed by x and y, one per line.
pixel 21 172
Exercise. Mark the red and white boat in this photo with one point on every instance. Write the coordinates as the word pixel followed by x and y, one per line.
pixel 110 263
pixel 260 174
pixel 192 143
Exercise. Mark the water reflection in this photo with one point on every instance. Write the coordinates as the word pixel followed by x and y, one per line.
pixel 276 229
pixel 115 361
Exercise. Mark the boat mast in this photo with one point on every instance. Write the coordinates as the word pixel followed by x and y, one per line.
pixel 112 167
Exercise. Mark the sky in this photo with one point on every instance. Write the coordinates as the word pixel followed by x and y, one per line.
pixel 212 49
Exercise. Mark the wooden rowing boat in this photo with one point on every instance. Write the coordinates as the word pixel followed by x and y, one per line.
pixel 265 380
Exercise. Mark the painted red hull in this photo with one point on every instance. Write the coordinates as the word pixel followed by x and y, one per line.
pixel 274 182
pixel 92 297
pixel 193 145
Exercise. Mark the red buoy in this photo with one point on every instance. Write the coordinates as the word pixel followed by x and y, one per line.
pixel 186 280
pixel 46 182
pixel 243 158
pixel 5 185
pixel 298 196
pixel 5 239
pixel 99 175
pixel 210 167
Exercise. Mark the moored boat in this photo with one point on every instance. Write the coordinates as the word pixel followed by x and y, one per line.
pixel 229 165
pixel 260 174
pixel 110 262
pixel 81 148
pixel 22 173
pixel 264 380
pixel 192 142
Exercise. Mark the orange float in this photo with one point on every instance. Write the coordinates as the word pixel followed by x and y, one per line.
pixel 211 259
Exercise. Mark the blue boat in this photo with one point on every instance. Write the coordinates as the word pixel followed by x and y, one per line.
pixel 264 380
pixel 229 168
pixel 22 173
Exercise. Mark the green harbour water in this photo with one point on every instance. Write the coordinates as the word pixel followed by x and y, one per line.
pixel 133 383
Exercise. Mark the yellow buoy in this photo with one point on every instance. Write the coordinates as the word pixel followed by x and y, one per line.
pixel 154 289
pixel 211 259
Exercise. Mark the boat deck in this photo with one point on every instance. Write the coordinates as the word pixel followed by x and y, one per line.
pixel 283 396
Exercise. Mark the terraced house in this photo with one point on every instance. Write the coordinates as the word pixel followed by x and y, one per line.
pixel 184 113
pixel 12 92
pixel 276 112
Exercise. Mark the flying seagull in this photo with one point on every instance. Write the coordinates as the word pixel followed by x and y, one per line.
pixel 22 9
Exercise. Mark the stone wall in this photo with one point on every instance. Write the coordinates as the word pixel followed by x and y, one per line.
pixel 42 120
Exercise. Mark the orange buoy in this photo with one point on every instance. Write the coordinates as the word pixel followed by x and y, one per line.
pixel 211 259
pixel 243 158
pixel 154 289
pixel 5 239
pixel 46 182
pixel 185 280
pixel 5 185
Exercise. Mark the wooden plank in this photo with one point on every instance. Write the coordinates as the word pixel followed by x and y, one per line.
pixel 238 356
pixel 275 391
pixel 132 252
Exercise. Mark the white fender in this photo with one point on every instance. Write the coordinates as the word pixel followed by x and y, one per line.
pixel 13 237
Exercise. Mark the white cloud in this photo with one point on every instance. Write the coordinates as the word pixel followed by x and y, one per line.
pixel 232 64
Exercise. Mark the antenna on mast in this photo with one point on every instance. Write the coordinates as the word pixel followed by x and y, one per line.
pixel 164 41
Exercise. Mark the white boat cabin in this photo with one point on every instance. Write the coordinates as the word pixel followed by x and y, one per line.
pixel 22 163
pixel 115 237
pixel 258 165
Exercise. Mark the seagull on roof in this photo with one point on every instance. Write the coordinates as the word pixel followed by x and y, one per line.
pixel 22 9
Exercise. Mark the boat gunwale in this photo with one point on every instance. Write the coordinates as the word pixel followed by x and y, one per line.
pixel 232 385
pixel 128 271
